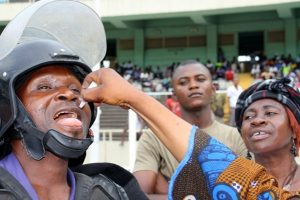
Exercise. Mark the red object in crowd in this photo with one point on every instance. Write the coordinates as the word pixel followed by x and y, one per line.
pixel 173 106
pixel 229 74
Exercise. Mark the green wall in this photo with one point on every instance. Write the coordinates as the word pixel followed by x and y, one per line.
pixel 165 57
pixel 231 24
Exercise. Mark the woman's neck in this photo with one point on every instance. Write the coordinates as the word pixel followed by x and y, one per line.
pixel 283 168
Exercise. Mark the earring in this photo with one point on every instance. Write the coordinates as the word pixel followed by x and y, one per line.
pixel 293 149
pixel 249 157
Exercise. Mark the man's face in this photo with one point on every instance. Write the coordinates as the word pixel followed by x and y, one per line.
pixel 193 86
pixel 51 96
pixel 236 82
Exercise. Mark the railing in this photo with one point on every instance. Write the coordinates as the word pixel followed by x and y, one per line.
pixel 105 149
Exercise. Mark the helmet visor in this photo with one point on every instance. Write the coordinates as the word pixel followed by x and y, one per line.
pixel 68 22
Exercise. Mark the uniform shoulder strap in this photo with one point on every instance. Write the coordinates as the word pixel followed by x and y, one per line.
pixel 85 189
pixel 116 174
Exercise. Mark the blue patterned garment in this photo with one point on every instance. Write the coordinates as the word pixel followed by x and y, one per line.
pixel 214 159
pixel 210 170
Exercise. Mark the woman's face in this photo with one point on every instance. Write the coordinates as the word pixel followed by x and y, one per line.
pixel 265 127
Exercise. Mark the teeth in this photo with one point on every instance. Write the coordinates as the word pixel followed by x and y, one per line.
pixel 259 133
pixel 73 115
pixel 70 115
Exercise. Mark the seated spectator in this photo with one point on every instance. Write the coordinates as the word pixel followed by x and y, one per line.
pixel 210 66
pixel 229 74
pixel 173 105
pixel 255 71
pixel 217 105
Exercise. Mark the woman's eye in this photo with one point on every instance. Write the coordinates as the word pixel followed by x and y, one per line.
pixel 248 117
pixel 270 113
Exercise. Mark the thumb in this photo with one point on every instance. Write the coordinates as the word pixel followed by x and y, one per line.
pixel 92 94
pixel 91 81
pixel 87 81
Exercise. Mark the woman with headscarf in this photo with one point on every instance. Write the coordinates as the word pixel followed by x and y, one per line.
pixel 208 169
pixel 268 116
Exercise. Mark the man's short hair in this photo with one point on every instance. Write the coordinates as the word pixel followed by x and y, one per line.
pixel 190 62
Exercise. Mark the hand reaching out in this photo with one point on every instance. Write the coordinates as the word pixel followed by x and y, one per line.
pixel 111 88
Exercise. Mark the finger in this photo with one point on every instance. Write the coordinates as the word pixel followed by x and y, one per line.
pixel 126 107
pixel 91 79
pixel 92 95
pixel 86 82
pixel 97 104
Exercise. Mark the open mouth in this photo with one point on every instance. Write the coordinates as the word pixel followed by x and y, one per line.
pixel 68 119
pixel 65 114
pixel 259 135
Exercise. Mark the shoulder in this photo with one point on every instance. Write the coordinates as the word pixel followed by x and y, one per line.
pixel 97 186
pixel 220 128
pixel 10 188
pixel 229 136
pixel 149 151
pixel 229 89
pixel 114 181
pixel 148 138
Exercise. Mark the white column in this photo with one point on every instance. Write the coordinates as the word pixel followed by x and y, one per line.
pixel 94 150
pixel 132 119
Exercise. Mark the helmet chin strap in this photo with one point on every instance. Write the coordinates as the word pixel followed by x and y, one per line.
pixel 64 146
pixel 37 142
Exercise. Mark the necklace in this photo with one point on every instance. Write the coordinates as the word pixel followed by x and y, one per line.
pixel 288 181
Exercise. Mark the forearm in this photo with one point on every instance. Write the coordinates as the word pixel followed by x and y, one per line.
pixel 170 129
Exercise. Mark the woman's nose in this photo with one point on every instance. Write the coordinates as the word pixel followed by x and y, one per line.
pixel 258 121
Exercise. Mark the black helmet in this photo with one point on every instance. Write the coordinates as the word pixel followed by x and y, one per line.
pixel 35 47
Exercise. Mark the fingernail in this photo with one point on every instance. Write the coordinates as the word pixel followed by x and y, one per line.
pixel 82 103
pixel 92 85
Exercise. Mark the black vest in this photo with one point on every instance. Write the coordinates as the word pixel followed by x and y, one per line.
pixel 91 184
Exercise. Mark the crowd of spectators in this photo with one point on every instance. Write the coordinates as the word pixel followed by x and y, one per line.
pixel 149 78
pixel 277 67
pixel 157 78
